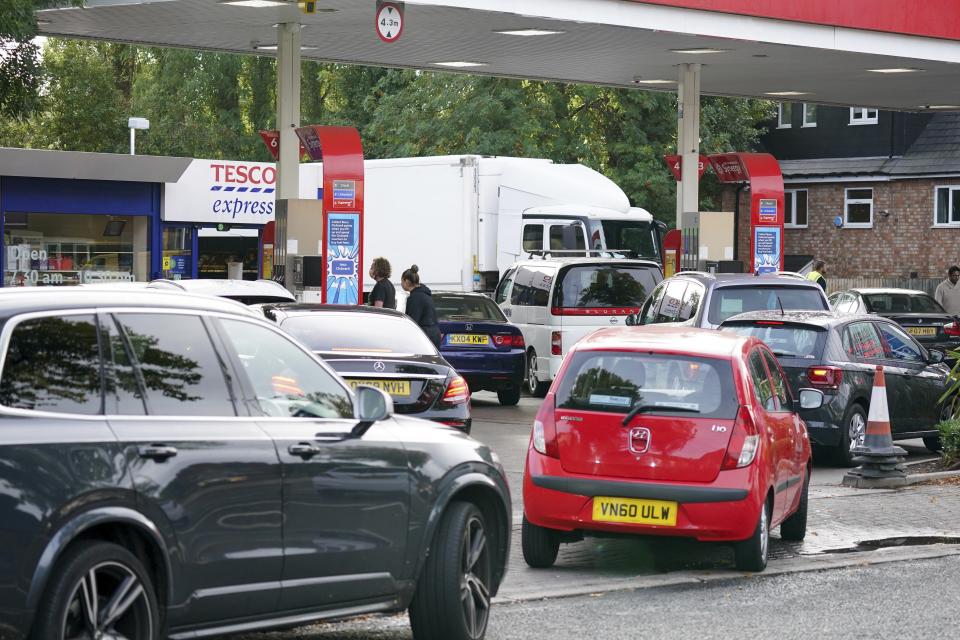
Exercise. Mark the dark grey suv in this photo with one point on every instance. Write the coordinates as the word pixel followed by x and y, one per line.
pixel 171 465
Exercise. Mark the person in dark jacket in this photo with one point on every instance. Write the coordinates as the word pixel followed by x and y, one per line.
pixel 383 294
pixel 420 304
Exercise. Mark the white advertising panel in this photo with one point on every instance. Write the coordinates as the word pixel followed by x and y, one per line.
pixel 222 191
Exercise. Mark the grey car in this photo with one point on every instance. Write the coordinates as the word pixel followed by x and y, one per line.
pixel 172 466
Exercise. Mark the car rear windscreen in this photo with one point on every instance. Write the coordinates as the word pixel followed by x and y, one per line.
pixel 615 382
pixel 901 303
pixel 785 340
pixel 605 286
pixel 362 332
pixel 467 308
pixel 727 302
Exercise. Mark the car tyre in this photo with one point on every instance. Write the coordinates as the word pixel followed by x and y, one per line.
pixel 855 420
pixel 452 599
pixel 933 443
pixel 751 554
pixel 125 606
pixel 535 388
pixel 795 526
pixel 509 397
pixel 540 545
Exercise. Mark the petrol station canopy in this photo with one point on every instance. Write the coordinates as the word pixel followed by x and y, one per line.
pixel 890 54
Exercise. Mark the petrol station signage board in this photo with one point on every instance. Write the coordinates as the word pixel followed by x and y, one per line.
pixel 222 192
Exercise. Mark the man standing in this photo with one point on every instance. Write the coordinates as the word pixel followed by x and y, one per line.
pixel 948 292
pixel 819 270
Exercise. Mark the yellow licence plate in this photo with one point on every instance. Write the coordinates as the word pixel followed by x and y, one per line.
pixel 922 331
pixel 660 512
pixel 393 387
pixel 466 338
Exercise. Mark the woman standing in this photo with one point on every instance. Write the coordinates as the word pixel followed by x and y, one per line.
pixel 420 304
pixel 383 294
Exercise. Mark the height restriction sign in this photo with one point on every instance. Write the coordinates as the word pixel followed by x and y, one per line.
pixel 389 20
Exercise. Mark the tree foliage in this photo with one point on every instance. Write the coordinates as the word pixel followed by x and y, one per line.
pixel 210 105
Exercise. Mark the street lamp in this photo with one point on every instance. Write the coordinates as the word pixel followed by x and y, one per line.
pixel 134 124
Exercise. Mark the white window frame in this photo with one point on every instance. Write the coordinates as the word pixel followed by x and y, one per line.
pixel 846 208
pixel 791 194
pixel 813 110
pixel 780 123
pixel 954 189
pixel 861 115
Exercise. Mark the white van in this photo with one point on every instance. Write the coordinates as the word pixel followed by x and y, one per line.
pixel 555 302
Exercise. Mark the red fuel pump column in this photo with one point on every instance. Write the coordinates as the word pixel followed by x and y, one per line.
pixel 342 155
pixel 762 172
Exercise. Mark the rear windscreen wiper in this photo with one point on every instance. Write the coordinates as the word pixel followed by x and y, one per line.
pixel 784 354
pixel 642 408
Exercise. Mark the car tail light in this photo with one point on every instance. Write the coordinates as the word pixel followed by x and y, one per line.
pixel 744 441
pixel 825 377
pixel 545 429
pixel 457 392
pixel 512 341
pixel 556 343
pixel 952 330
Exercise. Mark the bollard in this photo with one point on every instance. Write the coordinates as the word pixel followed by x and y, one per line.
pixel 881 463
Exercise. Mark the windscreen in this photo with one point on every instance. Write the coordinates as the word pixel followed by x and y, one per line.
pixel 467 308
pixel 616 382
pixel 361 332
pixel 785 340
pixel 605 286
pixel 631 235
pixel 727 302
pixel 901 303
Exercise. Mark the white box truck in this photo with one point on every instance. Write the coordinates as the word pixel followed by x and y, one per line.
pixel 465 219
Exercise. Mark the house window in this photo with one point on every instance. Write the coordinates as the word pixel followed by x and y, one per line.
pixel 946 207
pixel 795 208
pixel 784 115
pixel 858 208
pixel 809 115
pixel 863 115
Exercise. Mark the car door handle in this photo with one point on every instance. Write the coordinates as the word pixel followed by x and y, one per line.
pixel 158 452
pixel 304 449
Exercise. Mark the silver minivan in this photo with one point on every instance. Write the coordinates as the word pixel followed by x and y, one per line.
pixel 555 302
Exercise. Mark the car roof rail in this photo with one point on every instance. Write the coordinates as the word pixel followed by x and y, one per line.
pixel 579 253
pixel 694 272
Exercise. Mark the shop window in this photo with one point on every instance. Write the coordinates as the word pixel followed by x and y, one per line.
pixel 177 261
pixel 795 208
pixel 44 249
pixel 784 115
pixel 809 115
pixel 231 253
pixel 863 115
pixel 858 208
pixel 946 207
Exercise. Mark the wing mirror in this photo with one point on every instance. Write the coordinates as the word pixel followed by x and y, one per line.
pixel 372 405
pixel 632 320
pixel 935 356
pixel 810 399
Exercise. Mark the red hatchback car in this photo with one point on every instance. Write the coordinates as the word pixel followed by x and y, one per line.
pixel 669 432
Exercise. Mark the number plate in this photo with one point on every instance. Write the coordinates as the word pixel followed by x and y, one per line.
pixel 466 338
pixel 660 512
pixel 397 388
pixel 922 331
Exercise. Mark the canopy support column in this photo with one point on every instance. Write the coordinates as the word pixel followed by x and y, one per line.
pixel 688 147
pixel 288 110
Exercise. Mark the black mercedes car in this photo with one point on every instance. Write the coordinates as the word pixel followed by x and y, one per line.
pixel 838 354
pixel 381 348
pixel 172 466
pixel 917 312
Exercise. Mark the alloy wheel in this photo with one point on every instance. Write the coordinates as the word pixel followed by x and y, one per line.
pixel 532 380
pixel 764 533
pixel 108 603
pixel 475 575
pixel 856 429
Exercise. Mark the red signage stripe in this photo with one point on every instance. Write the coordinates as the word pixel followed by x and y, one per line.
pixel 928 18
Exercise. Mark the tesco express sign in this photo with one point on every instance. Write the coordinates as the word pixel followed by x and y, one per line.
pixel 222 191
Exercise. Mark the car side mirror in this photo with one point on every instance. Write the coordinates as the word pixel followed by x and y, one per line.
pixel 935 356
pixel 372 405
pixel 631 320
pixel 810 399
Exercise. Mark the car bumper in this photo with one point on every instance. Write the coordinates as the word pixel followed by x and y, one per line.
pixel 488 370
pixel 724 510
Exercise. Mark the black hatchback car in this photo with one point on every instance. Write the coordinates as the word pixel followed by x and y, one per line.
pixel 838 355
pixel 916 311
pixel 381 348
pixel 174 466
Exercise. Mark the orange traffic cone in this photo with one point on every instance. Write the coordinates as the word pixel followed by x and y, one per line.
pixel 881 463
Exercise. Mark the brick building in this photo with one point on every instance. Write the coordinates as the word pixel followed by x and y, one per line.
pixel 891 179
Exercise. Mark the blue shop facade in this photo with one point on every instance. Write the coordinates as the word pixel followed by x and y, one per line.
pixel 70 218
